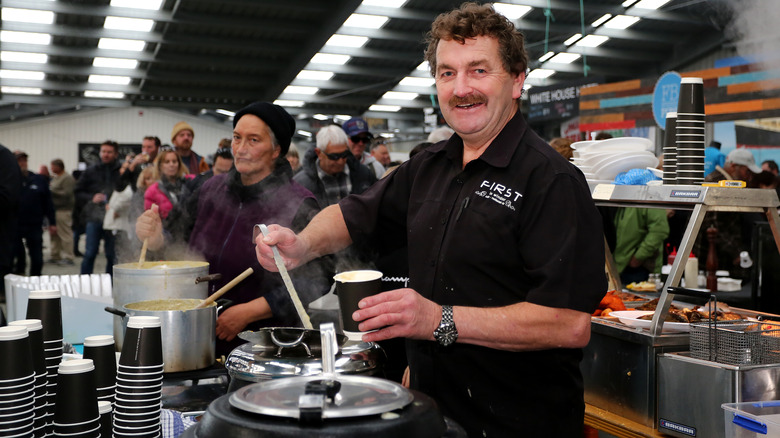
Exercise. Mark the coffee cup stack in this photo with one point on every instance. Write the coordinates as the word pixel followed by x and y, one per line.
pixel 670 149
pixel 17 383
pixel 76 408
pixel 102 351
pixel 689 132
pixel 35 332
pixel 106 419
pixel 46 305
pixel 138 402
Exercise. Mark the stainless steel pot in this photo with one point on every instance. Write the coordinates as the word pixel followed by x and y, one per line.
pixel 188 336
pixel 156 280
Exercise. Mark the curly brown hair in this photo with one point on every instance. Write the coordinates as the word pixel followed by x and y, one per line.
pixel 471 20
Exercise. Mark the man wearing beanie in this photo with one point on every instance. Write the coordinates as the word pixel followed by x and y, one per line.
pixel 181 137
pixel 218 219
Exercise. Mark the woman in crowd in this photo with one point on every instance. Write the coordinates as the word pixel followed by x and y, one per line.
pixel 167 190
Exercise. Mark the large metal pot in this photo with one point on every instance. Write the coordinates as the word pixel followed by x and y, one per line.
pixel 156 280
pixel 188 336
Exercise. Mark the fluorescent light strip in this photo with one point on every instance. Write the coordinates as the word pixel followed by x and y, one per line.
pixel 572 39
pixel 289 103
pixel 225 112
pixel 138 4
pixel 346 41
pixel 399 95
pixel 20 90
pixel 33 58
pixel 592 41
pixel 546 56
pixel 10 36
pixel 28 16
pixel 366 21
pixel 296 89
pixel 104 94
pixel 601 20
pixel 621 22
pixel 385 3
pixel 628 3
pixel 121 44
pixel 565 58
pixel 424 66
pixel 651 4
pixel 512 12
pixel 316 75
pixel 23 74
pixel 106 79
pixel 303 133
pixel 412 81
pixel 320 117
pixel 540 73
pixel 115 63
pixel 134 24
pixel 385 108
pixel 327 58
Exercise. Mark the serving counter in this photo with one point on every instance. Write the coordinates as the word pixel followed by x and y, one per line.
pixel 621 364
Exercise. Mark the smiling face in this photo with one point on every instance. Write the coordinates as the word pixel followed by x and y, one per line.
pixel 328 165
pixel 477 95
pixel 253 149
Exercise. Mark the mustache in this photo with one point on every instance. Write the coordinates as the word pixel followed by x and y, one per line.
pixel 467 100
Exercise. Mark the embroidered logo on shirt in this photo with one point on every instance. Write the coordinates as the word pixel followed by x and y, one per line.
pixel 499 194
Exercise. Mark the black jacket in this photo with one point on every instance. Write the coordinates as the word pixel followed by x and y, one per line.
pixel 10 190
pixel 100 178
pixel 360 176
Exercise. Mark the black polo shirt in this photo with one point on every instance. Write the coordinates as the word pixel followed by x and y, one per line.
pixel 517 224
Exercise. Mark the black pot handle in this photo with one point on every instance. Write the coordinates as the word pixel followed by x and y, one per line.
pixel 115 311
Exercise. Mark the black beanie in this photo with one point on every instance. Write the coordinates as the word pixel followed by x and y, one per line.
pixel 280 121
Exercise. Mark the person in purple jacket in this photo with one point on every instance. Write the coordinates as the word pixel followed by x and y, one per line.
pixel 217 222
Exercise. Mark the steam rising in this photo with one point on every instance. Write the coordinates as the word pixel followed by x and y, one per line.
pixel 756 27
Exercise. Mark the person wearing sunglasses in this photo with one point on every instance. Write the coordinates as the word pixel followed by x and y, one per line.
pixel 329 173
pixel 360 142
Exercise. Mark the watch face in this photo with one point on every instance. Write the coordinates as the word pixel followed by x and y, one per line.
pixel 446 335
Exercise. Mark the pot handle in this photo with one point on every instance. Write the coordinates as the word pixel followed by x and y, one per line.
pixel 223 304
pixel 115 311
pixel 208 278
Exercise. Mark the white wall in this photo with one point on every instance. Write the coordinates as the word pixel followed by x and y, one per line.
pixel 58 136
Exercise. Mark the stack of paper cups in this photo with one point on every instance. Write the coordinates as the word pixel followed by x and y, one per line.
pixel 670 149
pixel 690 132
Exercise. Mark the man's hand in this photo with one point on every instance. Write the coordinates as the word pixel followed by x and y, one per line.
pixel 294 250
pixel 232 321
pixel 149 225
pixel 139 159
pixel 400 313
pixel 97 198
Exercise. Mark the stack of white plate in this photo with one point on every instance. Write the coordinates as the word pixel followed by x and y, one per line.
pixel 602 160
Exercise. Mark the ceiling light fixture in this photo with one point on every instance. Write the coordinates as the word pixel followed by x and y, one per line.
pixel 321 117
pixel 10 36
pixel 512 12
pixel 22 74
pixel 104 94
pixel 27 16
pixel 366 21
pixel 133 24
pixel 424 66
pixel 413 81
pixel 399 95
pixel 316 75
pixel 297 89
pixel 346 41
pixel 592 41
pixel 565 58
pixel 225 112
pixel 107 79
pixel 651 4
pixel 385 108
pixel 303 133
pixel 327 58
pixel 121 44
pixel 385 3
pixel 138 4
pixel 572 39
pixel 115 62
pixel 289 103
pixel 601 20
pixel 628 3
pixel 621 22
pixel 33 58
pixel 21 90
pixel 540 73
pixel 546 56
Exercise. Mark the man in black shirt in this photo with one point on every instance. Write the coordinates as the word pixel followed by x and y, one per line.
pixel 505 247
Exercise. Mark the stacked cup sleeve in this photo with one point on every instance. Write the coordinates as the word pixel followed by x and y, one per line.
pixel 138 402
pixel 76 408
pixel 670 149
pixel 46 306
pixel 101 350
pixel 689 132
pixel 17 383
pixel 35 332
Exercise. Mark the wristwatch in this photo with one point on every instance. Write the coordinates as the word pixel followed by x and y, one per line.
pixel 446 333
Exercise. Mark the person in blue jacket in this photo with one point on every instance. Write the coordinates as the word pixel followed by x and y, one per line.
pixel 34 205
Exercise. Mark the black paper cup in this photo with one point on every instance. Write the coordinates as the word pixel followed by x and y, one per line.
pixel 12 393
pixel 351 287
pixel 86 428
pixel 16 353
pixel 76 399
pixel 691 96
pixel 699 117
pixel 24 430
pixel 142 345
pixel 46 305
pixel 101 350
pixel 28 415
pixel 670 130
pixel 35 332
pixel 136 403
pixel 106 418
pixel 132 393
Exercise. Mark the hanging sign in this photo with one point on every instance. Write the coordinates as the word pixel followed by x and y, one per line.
pixel 665 96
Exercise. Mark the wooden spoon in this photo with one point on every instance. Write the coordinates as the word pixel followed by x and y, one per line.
pixel 142 259
pixel 225 288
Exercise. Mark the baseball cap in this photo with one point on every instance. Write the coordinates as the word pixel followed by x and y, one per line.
pixel 355 126
pixel 743 157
